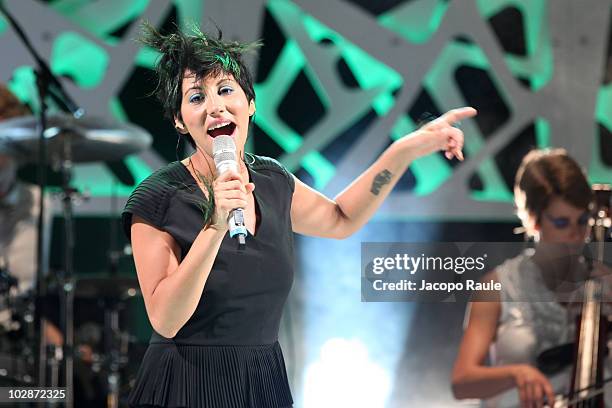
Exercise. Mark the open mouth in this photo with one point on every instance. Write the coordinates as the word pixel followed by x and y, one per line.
pixel 226 129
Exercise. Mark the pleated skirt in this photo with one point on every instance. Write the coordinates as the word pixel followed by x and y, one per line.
pixel 188 376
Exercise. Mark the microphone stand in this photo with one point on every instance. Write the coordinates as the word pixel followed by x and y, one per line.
pixel 48 84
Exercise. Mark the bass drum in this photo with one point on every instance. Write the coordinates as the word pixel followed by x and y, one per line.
pixel 15 369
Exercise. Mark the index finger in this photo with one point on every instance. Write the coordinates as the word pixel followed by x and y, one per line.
pixel 550 395
pixel 229 175
pixel 458 114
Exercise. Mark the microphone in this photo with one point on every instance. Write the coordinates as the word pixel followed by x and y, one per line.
pixel 224 154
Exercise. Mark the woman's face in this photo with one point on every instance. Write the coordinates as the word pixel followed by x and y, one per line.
pixel 561 222
pixel 214 106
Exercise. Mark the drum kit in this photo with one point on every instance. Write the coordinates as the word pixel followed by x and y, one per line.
pixel 92 350
pixel 67 140
pixel 62 139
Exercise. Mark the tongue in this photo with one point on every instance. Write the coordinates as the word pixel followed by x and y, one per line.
pixel 225 130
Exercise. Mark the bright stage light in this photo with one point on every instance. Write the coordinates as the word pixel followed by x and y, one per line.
pixel 344 375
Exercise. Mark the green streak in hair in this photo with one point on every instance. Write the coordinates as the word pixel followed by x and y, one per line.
pixel 229 64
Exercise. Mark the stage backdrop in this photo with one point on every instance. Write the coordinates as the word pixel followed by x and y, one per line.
pixel 337 82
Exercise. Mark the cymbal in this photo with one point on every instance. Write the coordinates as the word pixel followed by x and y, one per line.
pixel 104 286
pixel 97 286
pixel 90 138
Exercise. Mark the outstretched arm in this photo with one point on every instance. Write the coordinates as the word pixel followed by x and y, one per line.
pixel 314 214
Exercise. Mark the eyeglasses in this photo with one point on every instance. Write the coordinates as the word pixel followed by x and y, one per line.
pixel 564 222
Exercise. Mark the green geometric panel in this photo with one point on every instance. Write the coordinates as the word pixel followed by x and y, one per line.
pixel 23 85
pixel 3 24
pixel 368 71
pixel 69 54
pixel 440 83
pixel 538 64
pixel 416 20
pixel 100 18
pixel 281 77
pixel 598 171
pixel 542 129
pixel 147 57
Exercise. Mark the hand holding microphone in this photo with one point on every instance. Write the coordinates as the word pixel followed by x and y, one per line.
pixel 230 190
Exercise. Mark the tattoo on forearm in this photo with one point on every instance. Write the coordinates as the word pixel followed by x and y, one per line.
pixel 382 178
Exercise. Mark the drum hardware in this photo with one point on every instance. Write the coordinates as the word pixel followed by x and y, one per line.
pixel 7 281
pixel 64 139
pixel 47 85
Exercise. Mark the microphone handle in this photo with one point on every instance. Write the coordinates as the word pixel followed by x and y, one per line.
pixel 237 226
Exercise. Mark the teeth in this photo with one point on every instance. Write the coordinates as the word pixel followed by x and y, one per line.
pixel 218 125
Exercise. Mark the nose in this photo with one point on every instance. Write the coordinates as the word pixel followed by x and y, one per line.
pixel 216 106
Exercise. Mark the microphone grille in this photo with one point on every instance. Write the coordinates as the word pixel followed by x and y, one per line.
pixel 224 149
pixel 224 156
pixel 223 142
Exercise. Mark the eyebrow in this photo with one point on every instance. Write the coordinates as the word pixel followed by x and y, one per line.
pixel 219 82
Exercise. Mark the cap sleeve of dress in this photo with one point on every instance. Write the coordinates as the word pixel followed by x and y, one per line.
pixel 149 201
pixel 268 163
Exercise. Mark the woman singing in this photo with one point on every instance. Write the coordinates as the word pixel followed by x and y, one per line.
pixel 215 310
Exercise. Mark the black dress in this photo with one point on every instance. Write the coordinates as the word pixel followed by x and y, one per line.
pixel 227 354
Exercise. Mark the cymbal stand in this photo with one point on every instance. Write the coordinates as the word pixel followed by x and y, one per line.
pixel 67 287
pixel 115 357
pixel 603 217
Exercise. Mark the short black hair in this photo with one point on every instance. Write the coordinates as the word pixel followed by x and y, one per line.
pixel 199 53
